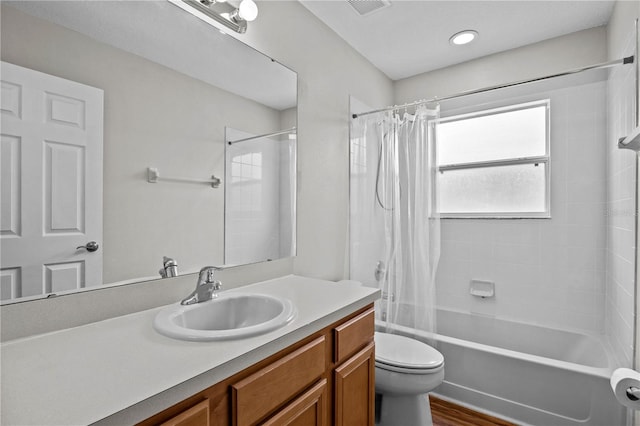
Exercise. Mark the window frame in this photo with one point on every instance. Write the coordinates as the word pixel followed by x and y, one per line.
pixel 535 160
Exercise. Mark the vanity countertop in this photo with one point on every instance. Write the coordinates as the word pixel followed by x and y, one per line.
pixel 121 371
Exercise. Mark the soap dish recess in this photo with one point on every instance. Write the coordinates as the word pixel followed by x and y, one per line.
pixel 482 289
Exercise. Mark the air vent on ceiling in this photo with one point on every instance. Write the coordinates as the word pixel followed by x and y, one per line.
pixel 367 7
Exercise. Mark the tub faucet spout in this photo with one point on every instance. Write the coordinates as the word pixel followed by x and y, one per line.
pixel 206 287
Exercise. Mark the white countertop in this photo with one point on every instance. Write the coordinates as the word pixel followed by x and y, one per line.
pixel 121 371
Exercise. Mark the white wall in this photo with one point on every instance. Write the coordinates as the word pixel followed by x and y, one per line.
pixel 547 271
pixel 621 186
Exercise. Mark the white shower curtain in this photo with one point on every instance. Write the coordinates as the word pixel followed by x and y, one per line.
pixel 395 227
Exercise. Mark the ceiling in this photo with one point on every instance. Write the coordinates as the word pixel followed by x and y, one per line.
pixel 412 36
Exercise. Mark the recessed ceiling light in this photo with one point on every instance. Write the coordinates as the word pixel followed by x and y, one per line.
pixel 463 37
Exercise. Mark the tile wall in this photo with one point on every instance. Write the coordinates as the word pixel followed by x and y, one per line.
pixel 258 219
pixel 546 271
pixel 620 213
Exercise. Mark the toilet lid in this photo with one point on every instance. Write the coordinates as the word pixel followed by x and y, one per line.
pixel 403 352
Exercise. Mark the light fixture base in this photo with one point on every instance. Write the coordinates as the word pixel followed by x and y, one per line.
pixel 221 12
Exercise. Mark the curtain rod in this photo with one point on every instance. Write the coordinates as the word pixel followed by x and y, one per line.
pixel 267 135
pixel 623 61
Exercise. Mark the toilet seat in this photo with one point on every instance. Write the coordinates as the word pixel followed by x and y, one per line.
pixel 405 355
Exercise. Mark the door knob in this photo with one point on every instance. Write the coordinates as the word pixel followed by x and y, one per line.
pixel 90 247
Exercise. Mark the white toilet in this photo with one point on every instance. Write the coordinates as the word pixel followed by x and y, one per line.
pixel 406 370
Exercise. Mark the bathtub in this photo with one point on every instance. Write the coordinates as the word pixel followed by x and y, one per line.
pixel 530 374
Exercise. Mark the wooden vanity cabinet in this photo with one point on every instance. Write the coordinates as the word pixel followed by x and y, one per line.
pixel 325 379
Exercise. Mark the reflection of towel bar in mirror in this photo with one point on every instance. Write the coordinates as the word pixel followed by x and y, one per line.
pixel 291 131
pixel 153 176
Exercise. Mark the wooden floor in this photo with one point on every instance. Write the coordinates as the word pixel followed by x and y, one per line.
pixel 445 413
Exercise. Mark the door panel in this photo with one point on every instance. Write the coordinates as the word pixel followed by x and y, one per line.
pixel 10 186
pixel 9 283
pixel 51 190
pixel 64 188
pixel 63 276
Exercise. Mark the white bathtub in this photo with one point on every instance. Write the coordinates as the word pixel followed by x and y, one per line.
pixel 530 374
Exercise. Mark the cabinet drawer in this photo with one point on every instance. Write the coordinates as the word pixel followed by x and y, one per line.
pixel 309 409
pixel 261 393
pixel 197 415
pixel 353 335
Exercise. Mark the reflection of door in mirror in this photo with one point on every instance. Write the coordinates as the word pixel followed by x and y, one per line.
pixel 260 196
pixel 51 191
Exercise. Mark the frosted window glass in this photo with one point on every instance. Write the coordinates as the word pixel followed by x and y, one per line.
pixel 496 136
pixel 504 189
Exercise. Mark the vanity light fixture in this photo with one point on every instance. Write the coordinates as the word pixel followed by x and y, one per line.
pixel 247 10
pixel 463 37
pixel 222 12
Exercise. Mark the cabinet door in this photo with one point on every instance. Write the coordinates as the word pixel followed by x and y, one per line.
pixel 355 389
pixel 309 409
pixel 259 395
pixel 197 415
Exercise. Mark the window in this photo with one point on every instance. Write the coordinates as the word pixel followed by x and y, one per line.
pixel 495 163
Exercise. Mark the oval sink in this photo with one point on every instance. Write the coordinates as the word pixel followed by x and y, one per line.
pixel 228 316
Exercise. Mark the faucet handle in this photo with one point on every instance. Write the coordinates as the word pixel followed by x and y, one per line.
pixel 205 288
pixel 207 273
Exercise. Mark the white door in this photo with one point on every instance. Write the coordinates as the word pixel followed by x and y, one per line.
pixel 51 183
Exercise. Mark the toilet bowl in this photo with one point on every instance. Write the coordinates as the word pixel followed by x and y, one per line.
pixel 406 370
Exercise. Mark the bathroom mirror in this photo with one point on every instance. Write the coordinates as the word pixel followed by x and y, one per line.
pixel 170 84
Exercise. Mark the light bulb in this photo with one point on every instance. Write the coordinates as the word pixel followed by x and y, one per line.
pixel 248 10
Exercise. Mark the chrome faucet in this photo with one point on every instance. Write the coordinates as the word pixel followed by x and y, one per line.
pixel 169 268
pixel 205 288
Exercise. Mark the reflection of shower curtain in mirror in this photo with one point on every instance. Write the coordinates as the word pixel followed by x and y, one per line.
pixel 259 198
pixel 395 228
